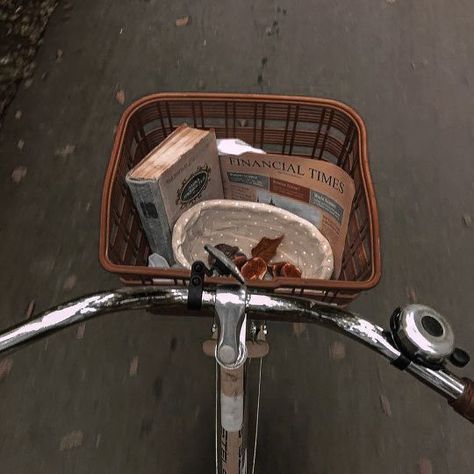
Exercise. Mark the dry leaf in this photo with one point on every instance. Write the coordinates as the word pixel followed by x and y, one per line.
pixel 71 440
pixel 19 174
pixel 242 122
pixel 28 83
pixel 239 259
pixel 467 220
pixel 290 271
pixel 5 367
pixel 18 114
pixel 120 96
pixel 133 367
pixel 70 282
pixel 254 269
pixel 59 55
pixel 425 466
pixel 185 20
pixel 337 350
pixel 81 329
pixel 30 309
pixel 20 144
pixel 411 294
pixel 298 329
pixel 66 151
pixel 385 404
pixel 266 248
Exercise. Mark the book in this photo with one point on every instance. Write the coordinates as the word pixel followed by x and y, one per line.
pixel 316 190
pixel 180 172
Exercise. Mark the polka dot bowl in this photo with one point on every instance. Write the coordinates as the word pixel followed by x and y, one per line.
pixel 244 224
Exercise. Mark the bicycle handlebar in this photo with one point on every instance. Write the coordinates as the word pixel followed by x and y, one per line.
pixel 260 306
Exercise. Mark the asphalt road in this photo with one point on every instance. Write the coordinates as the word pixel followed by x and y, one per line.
pixel 132 393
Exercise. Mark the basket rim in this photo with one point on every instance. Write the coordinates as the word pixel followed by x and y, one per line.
pixel 177 274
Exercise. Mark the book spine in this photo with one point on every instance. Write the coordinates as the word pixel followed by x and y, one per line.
pixel 149 203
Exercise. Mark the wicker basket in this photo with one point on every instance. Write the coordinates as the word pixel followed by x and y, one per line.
pixel 303 126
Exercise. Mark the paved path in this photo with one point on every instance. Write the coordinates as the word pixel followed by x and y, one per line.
pixel 73 403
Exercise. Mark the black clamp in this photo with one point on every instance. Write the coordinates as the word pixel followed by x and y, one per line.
pixel 196 285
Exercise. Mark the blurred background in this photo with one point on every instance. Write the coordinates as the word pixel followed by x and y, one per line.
pixel 133 393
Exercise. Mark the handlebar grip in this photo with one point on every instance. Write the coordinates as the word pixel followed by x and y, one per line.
pixel 464 405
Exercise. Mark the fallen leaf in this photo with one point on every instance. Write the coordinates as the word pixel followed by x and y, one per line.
pixel 467 220
pixel 120 96
pixel 242 122
pixel 19 174
pixel 20 144
pixel 30 309
pixel 59 55
pixel 71 440
pixel 185 20
pixel 337 350
pixel 133 367
pixel 5 367
pixel 70 282
pixel 28 83
pixel 18 114
pixel 66 151
pixel 411 294
pixel 289 270
pixel 425 466
pixel 385 404
pixel 266 248
pixel 298 329
pixel 254 269
pixel 81 329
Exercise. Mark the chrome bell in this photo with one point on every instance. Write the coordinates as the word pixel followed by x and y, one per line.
pixel 422 334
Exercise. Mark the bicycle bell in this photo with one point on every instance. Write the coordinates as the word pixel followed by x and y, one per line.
pixel 422 334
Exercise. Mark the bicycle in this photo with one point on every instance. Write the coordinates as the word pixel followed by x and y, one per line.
pixel 420 342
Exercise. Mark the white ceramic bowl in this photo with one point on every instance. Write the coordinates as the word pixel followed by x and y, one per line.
pixel 243 224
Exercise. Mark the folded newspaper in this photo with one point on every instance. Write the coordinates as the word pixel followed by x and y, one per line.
pixel 316 190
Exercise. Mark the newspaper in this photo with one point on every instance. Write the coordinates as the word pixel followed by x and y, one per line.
pixel 316 190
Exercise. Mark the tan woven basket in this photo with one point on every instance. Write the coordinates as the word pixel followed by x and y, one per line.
pixel 303 126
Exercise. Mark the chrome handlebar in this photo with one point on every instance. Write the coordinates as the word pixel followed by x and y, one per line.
pixel 259 306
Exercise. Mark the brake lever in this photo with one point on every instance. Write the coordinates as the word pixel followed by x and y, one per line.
pixel 231 350
pixel 224 264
